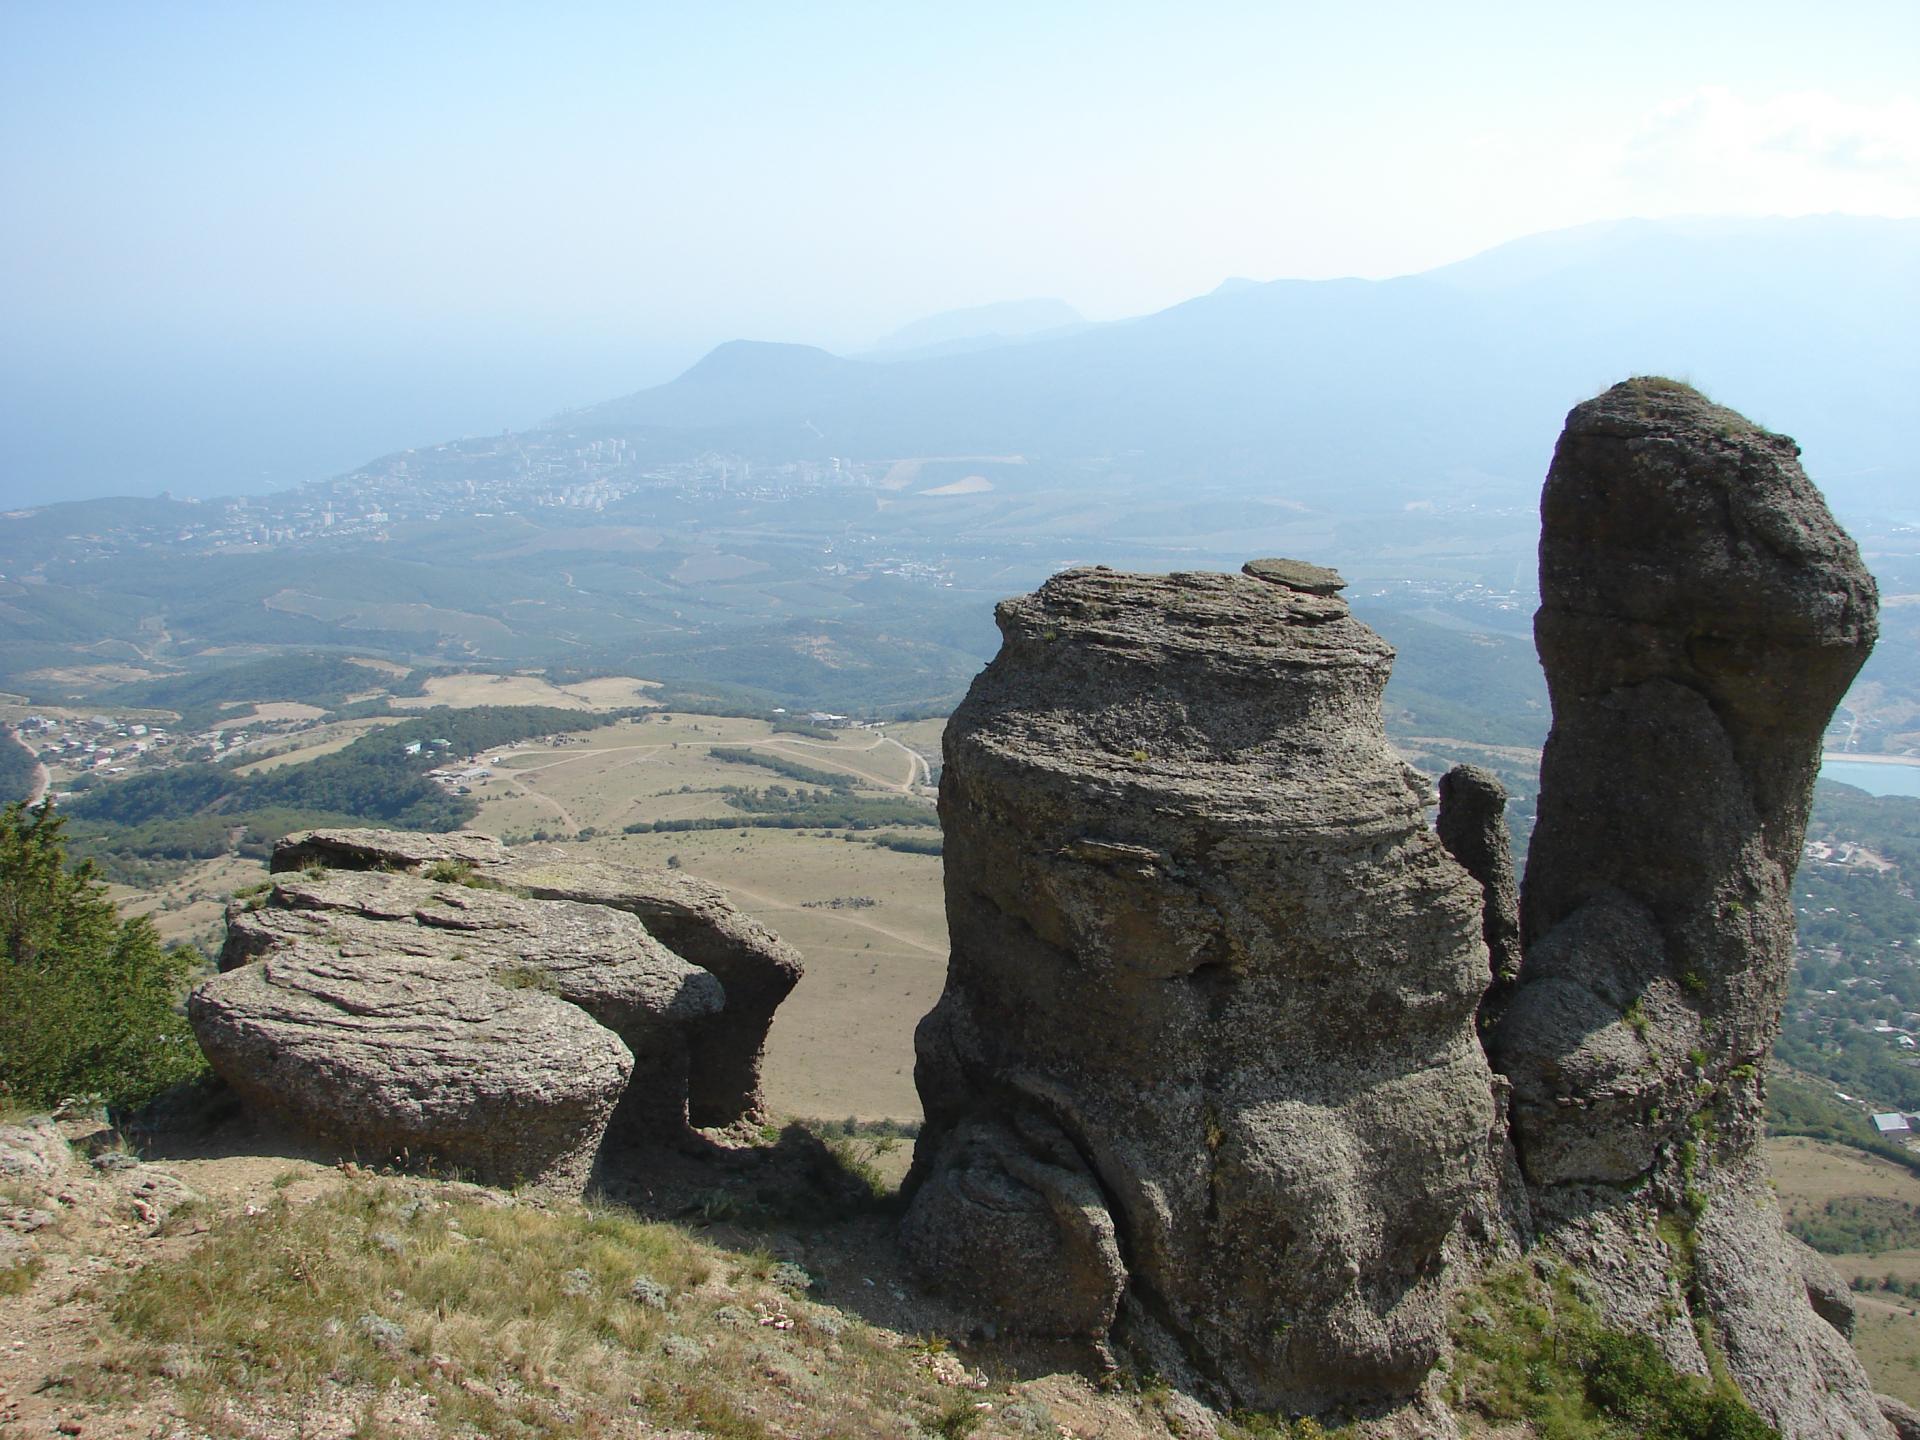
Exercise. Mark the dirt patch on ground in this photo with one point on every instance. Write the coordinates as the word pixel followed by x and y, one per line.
pixel 93 676
pixel 966 485
pixel 277 710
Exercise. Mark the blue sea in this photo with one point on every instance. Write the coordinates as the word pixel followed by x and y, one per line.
pixel 1874 779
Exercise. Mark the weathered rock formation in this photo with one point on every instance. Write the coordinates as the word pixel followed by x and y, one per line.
pixel 1473 827
pixel 410 1058
pixel 691 917
pixel 1206 1059
pixel 420 1002
pixel 1701 615
pixel 1205 1075
pixel 694 919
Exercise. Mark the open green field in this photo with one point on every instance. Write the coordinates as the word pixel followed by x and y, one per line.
pixel 465 689
pixel 312 744
pixel 660 769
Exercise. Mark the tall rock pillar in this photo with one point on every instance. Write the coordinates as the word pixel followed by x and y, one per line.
pixel 1701 615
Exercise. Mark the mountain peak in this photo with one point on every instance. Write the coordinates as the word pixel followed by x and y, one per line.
pixel 759 361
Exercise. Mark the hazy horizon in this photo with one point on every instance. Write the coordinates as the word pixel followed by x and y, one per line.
pixel 246 249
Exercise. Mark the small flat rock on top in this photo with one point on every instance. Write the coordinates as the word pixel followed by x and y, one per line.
pixel 385 850
pixel 1295 575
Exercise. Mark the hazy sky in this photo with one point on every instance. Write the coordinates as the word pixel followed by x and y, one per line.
pixel 332 229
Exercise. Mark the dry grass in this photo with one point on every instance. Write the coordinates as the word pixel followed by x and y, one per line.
pixel 325 740
pixel 246 712
pixel 1810 1173
pixel 1887 1338
pixel 842 1043
pixel 862 754
pixel 191 909
pixel 441 1310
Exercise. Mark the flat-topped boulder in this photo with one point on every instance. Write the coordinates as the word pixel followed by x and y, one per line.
pixel 385 850
pixel 1295 575
pixel 602 960
pixel 416 1058
pixel 692 917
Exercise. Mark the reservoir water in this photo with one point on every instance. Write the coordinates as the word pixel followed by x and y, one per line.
pixel 1875 779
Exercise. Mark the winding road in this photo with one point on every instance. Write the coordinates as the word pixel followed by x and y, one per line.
pixel 37 790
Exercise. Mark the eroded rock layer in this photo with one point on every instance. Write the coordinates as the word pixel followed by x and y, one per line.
pixel 409 1058
pixel 1205 1064
pixel 691 917
pixel 1701 615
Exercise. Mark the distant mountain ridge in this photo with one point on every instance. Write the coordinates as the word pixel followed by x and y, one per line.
pixel 978 327
pixel 1322 388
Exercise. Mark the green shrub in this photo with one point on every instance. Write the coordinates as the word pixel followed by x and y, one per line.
pixel 87 1000
pixel 1530 1349
pixel 1630 1382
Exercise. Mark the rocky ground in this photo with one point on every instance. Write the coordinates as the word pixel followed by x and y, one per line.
pixel 239 1283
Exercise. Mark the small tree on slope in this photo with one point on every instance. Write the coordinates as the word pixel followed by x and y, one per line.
pixel 88 1001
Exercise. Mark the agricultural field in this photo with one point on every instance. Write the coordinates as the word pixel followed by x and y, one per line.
pixel 281 711
pixel 870 921
pixel 1816 1179
pixel 922 737
pixel 312 744
pixel 464 689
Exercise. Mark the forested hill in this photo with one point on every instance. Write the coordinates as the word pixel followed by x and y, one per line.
pixel 17 767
